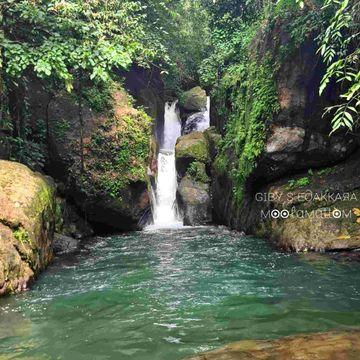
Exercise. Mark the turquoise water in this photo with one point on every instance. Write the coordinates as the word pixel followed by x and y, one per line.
pixel 168 294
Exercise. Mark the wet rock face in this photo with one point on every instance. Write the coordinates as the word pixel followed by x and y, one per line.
pixel 322 346
pixel 65 244
pixel 194 99
pixel 296 137
pixel 27 221
pixel 194 199
pixel 68 221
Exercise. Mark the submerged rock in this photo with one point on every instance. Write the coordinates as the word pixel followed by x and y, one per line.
pixel 322 346
pixel 194 99
pixel 65 244
pixel 27 221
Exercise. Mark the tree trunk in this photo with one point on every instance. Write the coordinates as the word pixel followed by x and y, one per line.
pixel 81 120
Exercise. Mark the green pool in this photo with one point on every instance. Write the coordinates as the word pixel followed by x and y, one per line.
pixel 168 294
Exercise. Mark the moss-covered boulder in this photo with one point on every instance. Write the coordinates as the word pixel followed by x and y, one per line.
pixel 193 156
pixel 321 346
pixel 317 211
pixel 195 202
pixel 189 148
pixel 27 221
pixel 106 177
pixel 193 99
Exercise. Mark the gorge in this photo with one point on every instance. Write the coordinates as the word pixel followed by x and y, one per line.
pixel 179 180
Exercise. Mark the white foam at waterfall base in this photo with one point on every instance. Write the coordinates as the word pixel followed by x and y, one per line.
pixel 165 212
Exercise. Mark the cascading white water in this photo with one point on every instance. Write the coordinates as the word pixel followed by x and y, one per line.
pixel 164 198
pixel 205 124
pixel 199 121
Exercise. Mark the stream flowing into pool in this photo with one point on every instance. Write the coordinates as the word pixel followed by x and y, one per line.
pixel 168 294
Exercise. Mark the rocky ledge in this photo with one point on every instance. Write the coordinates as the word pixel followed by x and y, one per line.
pixel 323 346
pixel 318 210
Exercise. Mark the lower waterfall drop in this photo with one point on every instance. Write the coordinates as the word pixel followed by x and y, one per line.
pixel 165 212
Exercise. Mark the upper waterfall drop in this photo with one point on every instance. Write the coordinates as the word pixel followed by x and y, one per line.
pixel 165 212
pixel 199 121
pixel 172 126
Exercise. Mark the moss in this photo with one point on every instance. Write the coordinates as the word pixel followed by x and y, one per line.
pixel 44 200
pixel 118 154
pixel 99 97
pixel 250 90
pixel 193 146
pixel 59 221
pixel 22 236
pixel 298 183
pixel 197 171
pixel 61 127
pixel 326 171
pixel 193 99
pixel 220 164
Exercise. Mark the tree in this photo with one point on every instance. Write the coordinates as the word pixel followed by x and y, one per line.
pixel 340 51
pixel 68 43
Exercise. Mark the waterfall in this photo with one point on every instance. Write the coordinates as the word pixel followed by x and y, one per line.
pixel 164 196
pixel 199 121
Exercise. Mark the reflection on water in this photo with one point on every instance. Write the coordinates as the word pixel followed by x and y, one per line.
pixel 167 294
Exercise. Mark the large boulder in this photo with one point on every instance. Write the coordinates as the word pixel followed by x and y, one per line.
pixel 189 148
pixel 194 99
pixel 322 346
pixel 193 156
pixel 194 201
pixel 107 180
pixel 27 221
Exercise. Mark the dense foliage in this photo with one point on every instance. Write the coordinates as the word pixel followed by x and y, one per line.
pixel 78 46
pixel 58 38
pixel 341 52
pixel 117 151
pixel 242 76
pixel 68 44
